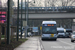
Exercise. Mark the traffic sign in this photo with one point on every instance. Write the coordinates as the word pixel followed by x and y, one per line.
pixel 35 29
pixel 40 28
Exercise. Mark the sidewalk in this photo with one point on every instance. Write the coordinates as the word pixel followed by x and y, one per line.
pixel 32 43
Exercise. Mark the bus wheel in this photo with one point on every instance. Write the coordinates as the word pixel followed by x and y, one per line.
pixel 72 41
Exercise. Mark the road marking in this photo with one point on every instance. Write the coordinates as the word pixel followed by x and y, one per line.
pixel 67 43
pixel 63 47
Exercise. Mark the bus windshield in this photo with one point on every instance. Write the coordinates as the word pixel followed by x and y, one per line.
pixel 49 30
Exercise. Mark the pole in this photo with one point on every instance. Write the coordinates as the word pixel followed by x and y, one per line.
pixel 21 18
pixel 8 23
pixel 25 17
pixel 18 21
pixel 27 11
pixel 71 23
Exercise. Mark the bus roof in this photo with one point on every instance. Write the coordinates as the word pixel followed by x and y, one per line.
pixel 49 22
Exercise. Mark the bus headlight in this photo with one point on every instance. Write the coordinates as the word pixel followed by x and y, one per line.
pixel 55 35
pixel 42 35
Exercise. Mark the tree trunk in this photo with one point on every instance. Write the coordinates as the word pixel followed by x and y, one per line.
pixel 5 34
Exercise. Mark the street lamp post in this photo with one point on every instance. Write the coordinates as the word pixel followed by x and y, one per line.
pixel 27 10
pixel 25 18
pixel 18 21
pixel 26 13
pixel 8 23
pixel 21 17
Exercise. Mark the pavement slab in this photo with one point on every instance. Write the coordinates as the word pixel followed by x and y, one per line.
pixel 32 43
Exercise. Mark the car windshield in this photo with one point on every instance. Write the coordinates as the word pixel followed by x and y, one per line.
pixel 73 32
pixel 60 31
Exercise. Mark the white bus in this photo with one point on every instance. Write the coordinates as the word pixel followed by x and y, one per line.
pixel 49 30
pixel 61 32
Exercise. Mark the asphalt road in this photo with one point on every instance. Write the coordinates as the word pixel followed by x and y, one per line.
pixel 60 44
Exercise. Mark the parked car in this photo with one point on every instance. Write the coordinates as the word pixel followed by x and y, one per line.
pixel 67 34
pixel 73 36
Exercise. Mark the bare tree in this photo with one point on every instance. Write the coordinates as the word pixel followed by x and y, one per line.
pixel 5 4
pixel 32 3
pixel 61 2
pixel 67 2
pixel 73 2
pixel 36 3
pixel 51 3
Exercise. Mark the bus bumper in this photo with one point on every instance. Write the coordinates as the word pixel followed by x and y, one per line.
pixel 49 38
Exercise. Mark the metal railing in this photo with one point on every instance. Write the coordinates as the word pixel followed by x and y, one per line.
pixel 61 8
pixel 55 9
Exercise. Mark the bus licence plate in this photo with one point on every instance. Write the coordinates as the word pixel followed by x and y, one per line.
pixel 52 35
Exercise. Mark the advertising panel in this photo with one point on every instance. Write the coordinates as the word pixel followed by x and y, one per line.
pixel 35 29
pixel 2 16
